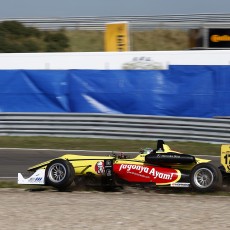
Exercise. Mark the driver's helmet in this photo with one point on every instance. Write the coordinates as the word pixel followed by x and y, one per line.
pixel 146 151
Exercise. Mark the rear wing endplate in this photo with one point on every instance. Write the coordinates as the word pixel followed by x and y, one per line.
pixel 225 157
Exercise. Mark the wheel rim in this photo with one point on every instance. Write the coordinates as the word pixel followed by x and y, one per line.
pixel 57 172
pixel 203 178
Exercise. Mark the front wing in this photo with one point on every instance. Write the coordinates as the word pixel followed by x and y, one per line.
pixel 38 178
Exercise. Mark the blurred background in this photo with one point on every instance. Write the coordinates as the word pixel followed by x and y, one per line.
pixel 86 34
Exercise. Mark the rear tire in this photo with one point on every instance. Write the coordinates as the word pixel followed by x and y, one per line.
pixel 59 174
pixel 206 177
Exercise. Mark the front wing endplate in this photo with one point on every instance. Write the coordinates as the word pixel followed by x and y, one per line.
pixel 37 178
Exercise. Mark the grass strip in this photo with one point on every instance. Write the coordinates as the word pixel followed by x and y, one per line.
pixel 104 144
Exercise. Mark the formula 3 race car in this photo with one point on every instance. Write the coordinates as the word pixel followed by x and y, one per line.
pixel 160 167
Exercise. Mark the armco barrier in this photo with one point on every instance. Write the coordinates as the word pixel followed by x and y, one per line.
pixel 136 22
pixel 111 126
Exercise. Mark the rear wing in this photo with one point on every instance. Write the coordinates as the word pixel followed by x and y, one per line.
pixel 225 157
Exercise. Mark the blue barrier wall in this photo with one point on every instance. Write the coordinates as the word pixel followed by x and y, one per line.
pixel 196 91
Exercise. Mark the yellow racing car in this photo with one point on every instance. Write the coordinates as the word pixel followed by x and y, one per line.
pixel 160 167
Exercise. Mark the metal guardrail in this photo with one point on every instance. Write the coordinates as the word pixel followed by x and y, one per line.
pixel 141 127
pixel 190 21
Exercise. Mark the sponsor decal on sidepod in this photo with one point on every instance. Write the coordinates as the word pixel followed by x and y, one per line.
pixel 99 167
pixel 140 173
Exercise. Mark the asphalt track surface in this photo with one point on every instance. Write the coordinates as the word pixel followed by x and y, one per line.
pixel 13 161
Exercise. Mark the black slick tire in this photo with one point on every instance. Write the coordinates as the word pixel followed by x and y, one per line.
pixel 59 174
pixel 206 177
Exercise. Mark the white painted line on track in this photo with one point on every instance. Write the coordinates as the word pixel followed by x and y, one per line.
pixel 8 177
pixel 82 150
pixel 52 149
pixel 69 150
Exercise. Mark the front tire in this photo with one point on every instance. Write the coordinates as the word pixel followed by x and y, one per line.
pixel 206 177
pixel 59 174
